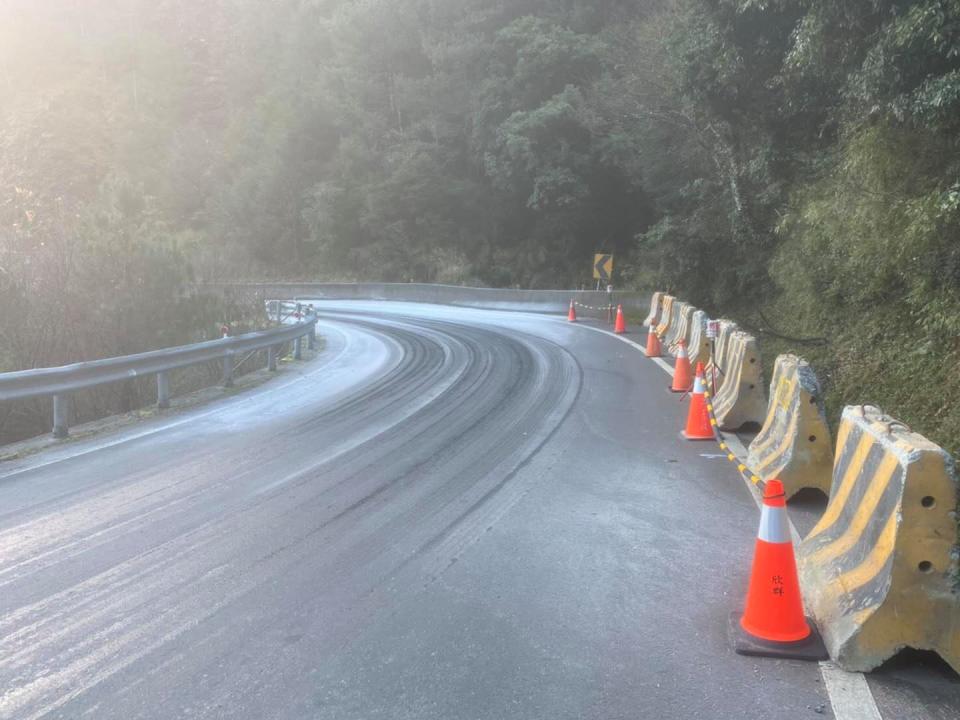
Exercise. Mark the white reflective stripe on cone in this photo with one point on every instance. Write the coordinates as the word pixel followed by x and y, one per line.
pixel 774 526
pixel 698 385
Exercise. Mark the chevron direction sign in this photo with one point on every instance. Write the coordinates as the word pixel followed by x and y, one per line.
pixel 602 266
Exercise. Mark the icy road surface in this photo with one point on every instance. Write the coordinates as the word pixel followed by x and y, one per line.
pixel 448 514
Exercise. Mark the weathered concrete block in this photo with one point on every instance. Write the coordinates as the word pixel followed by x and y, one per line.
pixel 653 317
pixel 741 398
pixel 794 443
pixel 878 569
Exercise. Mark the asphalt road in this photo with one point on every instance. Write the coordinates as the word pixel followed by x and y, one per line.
pixel 447 514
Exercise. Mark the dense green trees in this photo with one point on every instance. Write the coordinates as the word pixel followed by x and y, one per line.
pixel 840 122
pixel 792 156
pixel 484 141
pixel 457 141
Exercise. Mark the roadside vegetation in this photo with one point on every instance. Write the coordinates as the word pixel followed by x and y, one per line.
pixel 789 163
pixel 832 217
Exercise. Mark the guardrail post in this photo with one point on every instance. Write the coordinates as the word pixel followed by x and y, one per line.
pixel 272 358
pixel 298 348
pixel 163 390
pixel 61 416
pixel 228 370
pixel 312 338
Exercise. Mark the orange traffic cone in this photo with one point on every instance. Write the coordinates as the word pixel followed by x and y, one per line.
pixel 572 315
pixel 772 623
pixel 698 419
pixel 653 344
pixel 681 371
pixel 620 326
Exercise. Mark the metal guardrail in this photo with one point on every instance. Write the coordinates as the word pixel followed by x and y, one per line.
pixel 457 295
pixel 60 382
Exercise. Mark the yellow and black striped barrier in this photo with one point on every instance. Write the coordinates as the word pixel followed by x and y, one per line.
pixel 794 443
pixel 717 364
pixel 698 348
pixel 676 324
pixel 666 312
pixel 654 315
pixel 740 399
pixel 682 332
pixel 879 568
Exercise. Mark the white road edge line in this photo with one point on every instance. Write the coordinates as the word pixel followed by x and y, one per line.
pixel 849 693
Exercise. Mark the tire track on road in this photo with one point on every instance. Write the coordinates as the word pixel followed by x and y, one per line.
pixel 143 567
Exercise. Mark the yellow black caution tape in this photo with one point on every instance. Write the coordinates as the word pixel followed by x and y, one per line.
pixel 744 471
pixel 590 307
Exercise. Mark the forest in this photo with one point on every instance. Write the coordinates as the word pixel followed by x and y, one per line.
pixel 792 164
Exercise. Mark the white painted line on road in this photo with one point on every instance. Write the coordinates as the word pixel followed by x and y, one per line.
pixel 733 442
pixel 664 364
pixel 849 693
pixel 627 340
pixel 637 346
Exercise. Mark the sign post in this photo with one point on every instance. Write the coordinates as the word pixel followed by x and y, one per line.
pixel 713 329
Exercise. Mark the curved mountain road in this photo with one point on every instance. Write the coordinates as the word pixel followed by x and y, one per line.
pixel 448 513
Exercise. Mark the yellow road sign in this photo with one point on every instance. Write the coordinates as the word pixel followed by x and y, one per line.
pixel 602 266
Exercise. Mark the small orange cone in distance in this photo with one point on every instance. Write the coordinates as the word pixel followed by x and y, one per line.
pixel 620 326
pixel 772 623
pixel 698 419
pixel 682 379
pixel 572 314
pixel 653 344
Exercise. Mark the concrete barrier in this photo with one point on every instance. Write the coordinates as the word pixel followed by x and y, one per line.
pixel 794 443
pixel 683 332
pixel 675 331
pixel 716 367
pixel 741 398
pixel 653 317
pixel 698 348
pixel 878 569
pixel 666 315
pixel 492 298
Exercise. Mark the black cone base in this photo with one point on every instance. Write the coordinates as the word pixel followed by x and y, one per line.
pixel 683 434
pixel 810 648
